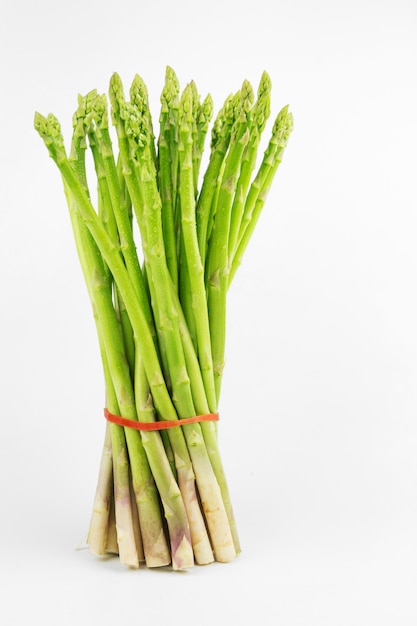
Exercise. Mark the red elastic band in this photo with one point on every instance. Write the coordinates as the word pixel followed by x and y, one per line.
pixel 122 421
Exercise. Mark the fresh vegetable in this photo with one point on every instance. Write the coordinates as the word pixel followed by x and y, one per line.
pixel 162 495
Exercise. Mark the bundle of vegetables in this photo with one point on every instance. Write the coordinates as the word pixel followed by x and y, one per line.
pixel 162 495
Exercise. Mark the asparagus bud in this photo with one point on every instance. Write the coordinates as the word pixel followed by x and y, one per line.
pixel 49 129
pixel 170 92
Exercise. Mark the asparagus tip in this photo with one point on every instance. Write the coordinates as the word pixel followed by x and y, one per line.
pixel 186 104
pixel 265 84
pixel 171 77
pixel 83 116
pixel 140 102
pixel 170 91
pixel 283 126
pixel 138 91
pixel 247 96
pixel 205 112
pixel 262 106
pixel 116 94
pixel 195 95
pixel 49 130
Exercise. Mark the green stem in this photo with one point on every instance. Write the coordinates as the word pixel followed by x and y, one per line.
pixel 261 184
pixel 195 270
pixel 96 276
pixel 167 158
pixel 201 113
pixel 217 268
pixel 106 214
pixel 208 429
pixel 183 467
pixel 168 225
pixel 258 118
pixel 96 280
pixel 220 142
pixel 185 294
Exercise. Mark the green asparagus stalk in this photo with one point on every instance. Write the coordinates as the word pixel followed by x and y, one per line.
pixel 257 121
pixel 217 270
pixel 202 114
pixel 260 186
pixel 219 144
pixel 111 193
pixel 121 217
pixel 189 233
pixel 208 428
pixel 146 497
pixel 117 444
pixel 167 161
pixel 92 268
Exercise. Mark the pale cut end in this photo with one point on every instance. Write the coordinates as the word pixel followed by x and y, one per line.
pixel 136 526
pixel 225 553
pixel 183 557
pixel 98 531
pixel 111 545
pixel 203 553
pixel 127 548
pixel 221 536
pixel 157 554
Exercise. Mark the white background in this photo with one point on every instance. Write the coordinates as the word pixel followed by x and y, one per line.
pixel 318 413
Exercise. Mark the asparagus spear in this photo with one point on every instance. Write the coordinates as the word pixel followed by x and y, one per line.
pixel 202 114
pixel 219 145
pixel 167 164
pixel 97 278
pixel 193 258
pixel 260 186
pixel 257 120
pixel 217 268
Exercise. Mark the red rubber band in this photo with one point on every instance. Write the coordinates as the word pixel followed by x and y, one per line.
pixel 122 421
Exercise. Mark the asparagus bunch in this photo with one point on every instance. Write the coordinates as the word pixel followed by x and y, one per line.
pixel 162 495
